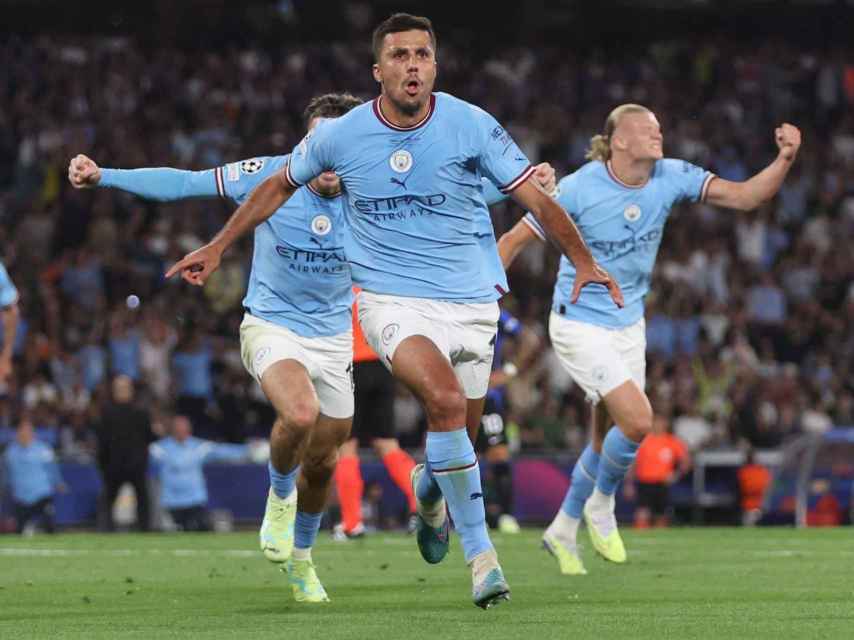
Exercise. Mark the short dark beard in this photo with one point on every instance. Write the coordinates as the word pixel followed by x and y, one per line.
pixel 406 108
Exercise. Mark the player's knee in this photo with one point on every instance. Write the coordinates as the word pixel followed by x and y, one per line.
pixel 319 466
pixel 301 417
pixel 639 426
pixel 446 406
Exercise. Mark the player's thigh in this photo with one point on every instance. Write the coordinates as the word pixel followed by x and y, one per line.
pixel 276 358
pixel 629 408
pixel 427 372
pixel 589 355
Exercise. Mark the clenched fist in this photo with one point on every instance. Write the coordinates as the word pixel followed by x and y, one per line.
pixel 788 138
pixel 83 173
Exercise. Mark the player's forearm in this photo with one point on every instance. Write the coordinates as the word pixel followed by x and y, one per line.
pixel 161 183
pixel 764 185
pixel 10 329
pixel 510 245
pixel 265 199
pixel 563 231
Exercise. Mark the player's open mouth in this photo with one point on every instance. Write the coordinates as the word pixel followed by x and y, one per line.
pixel 412 87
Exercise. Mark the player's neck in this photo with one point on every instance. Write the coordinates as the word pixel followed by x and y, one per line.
pixel 400 118
pixel 634 173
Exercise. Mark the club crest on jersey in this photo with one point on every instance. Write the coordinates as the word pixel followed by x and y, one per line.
pixel 254 165
pixel 400 161
pixel 321 225
pixel 632 213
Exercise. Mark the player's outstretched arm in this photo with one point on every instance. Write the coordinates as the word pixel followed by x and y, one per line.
pixel 196 267
pixel 563 231
pixel 514 241
pixel 750 194
pixel 159 183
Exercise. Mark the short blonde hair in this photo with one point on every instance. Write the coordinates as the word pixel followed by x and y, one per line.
pixel 600 144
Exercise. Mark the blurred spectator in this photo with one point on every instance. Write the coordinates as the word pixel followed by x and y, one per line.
pixel 191 364
pixel 124 345
pixel 33 477
pixel 177 461
pixel 753 481
pixel 124 433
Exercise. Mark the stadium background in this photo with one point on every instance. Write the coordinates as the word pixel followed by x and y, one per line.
pixel 750 320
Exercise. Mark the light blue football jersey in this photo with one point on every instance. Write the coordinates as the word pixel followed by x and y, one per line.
pixel 623 226
pixel 8 292
pixel 300 278
pixel 415 198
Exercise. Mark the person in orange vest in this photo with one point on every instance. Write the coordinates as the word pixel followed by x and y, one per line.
pixel 373 423
pixel 661 460
pixel 753 480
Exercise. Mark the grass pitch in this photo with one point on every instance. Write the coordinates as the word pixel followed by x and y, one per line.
pixel 681 583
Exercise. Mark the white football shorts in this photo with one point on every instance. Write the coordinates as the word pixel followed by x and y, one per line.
pixel 327 359
pixel 600 359
pixel 464 332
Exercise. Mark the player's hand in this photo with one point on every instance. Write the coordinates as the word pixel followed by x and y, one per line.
pixel 592 273
pixel 788 138
pixel 197 267
pixel 545 175
pixel 83 173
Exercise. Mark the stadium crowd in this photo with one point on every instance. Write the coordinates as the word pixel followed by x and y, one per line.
pixel 750 324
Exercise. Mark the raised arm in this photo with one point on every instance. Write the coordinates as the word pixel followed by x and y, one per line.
pixel 563 231
pixel 196 267
pixel 161 183
pixel 750 194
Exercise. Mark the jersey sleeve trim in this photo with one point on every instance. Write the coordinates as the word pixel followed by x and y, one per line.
pixel 289 179
pixel 220 183
pixel 534 226
pixel 518 180
pixel 704 191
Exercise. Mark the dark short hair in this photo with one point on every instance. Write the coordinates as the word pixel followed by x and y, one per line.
pixel 397 23
pixel 330 105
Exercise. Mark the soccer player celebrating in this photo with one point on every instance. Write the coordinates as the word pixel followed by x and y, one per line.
pixel 620 201
pixel 296 338
pixel 411 163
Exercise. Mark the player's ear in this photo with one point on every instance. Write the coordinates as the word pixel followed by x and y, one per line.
pixel 378 76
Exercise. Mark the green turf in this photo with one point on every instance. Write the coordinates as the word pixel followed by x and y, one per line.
pixel 681 583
